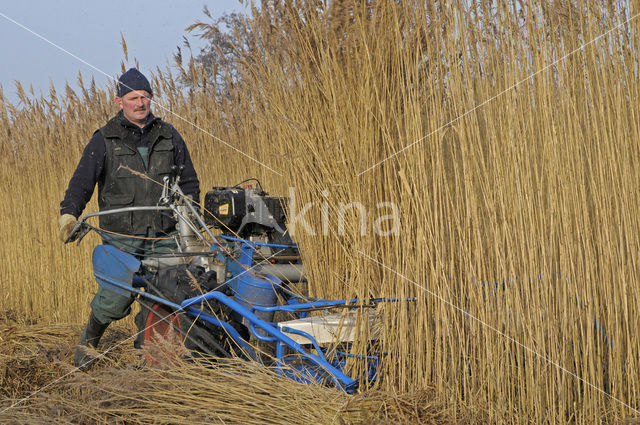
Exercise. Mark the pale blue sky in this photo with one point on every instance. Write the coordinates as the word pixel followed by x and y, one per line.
pixel 91 31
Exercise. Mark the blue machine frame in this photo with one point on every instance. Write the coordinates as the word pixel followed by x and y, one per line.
pixel 117 271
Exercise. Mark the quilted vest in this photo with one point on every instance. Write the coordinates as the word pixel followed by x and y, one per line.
pixel 128 182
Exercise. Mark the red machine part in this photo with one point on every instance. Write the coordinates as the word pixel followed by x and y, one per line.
pixel 161 328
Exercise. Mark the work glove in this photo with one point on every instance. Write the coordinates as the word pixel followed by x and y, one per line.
pixel 66 221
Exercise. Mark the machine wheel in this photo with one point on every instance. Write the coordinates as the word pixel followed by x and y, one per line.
pixel 162 325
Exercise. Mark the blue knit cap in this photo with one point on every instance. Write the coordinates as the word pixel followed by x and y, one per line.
pixel 133 80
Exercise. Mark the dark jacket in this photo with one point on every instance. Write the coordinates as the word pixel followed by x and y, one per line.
pixel 115 146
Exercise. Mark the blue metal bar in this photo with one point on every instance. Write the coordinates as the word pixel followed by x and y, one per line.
pixel 143 294
pixel 342 381
pixel 311 339
pixel 292 308
pixel 325 304
pixel 191 310
pixel 279 352
pixel 259 336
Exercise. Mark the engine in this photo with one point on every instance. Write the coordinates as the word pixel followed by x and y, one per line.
pixel 246 212
pixel 252 214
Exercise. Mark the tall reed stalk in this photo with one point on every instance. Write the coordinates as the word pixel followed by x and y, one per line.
pixel 511 152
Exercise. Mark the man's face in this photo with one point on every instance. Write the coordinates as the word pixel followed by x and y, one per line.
pixel 135 106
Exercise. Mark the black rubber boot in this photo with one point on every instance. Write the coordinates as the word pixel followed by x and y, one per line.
pixel 90 338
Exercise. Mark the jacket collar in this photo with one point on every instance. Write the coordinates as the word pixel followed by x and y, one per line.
pixel 119 126
pixel 126 123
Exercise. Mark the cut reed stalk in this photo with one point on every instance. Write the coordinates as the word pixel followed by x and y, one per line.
pixel 514 165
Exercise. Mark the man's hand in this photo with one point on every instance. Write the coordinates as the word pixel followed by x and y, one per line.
pixel 66 221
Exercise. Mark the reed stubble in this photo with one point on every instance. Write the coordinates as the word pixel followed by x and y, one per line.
pixel 522 212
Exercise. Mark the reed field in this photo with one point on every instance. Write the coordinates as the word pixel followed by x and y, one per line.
pixel 506 133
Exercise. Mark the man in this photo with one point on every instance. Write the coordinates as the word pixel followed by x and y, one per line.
pixel 127 158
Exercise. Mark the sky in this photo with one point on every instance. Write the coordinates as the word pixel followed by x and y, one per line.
pixel 91 31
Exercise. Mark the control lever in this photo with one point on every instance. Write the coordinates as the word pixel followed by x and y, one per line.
pixel 164 198
pixel 176 172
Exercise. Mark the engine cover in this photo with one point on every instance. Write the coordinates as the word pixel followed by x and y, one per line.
pixel 225 208
pixel 245 212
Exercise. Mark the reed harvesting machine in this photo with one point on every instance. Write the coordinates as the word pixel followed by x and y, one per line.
pixel 241 292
